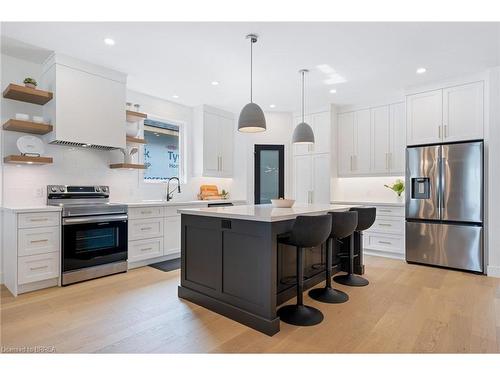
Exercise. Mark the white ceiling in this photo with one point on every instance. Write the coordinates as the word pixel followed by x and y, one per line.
pixel 378 60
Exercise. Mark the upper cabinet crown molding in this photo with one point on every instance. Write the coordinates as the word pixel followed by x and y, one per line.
pixel 446 115
pixel 213 140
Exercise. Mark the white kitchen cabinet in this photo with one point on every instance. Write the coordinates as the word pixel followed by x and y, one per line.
pixel 362 156
pixel 213 140
pixel 463 112
pixel 397 133
pixel 312 178
pixel 345 145
pixel 424 117
pixel 33 258
pixel 446 115
pixel 380 128
pixel 172 235
pixel 371 141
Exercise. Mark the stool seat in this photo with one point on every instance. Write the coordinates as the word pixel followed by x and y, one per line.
pixel 343 225
pixel 307 232
pixel 366 218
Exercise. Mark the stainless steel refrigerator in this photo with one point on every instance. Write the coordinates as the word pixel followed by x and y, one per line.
pixel 444 205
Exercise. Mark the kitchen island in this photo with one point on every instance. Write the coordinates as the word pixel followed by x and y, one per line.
pixel 231 262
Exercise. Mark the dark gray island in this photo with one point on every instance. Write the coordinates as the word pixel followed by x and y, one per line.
pixel 231 262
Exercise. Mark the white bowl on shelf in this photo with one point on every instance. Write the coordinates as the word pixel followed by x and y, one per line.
pixel 282 203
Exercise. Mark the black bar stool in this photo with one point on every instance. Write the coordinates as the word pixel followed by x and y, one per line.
pixel 366 218
pixel 307 231
pixel 343 225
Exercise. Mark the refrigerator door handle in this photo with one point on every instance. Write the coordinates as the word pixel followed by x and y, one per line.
pixel 443 180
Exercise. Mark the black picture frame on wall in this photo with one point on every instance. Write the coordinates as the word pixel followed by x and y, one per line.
pixel 281 178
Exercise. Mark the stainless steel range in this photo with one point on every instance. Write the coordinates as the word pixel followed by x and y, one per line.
pixel 94 232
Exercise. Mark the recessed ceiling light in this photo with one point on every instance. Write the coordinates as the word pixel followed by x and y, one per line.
pixel 272 106
pixel 175 96
pixel 215 83
pixel 109 42
pixel 421 70
pixel 333 91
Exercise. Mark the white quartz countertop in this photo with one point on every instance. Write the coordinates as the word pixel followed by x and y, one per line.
pixel 264 212
pixel 42 208
pixel 146 203
pixel 371 202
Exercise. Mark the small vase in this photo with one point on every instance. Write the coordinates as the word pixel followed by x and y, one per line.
pixel 400 198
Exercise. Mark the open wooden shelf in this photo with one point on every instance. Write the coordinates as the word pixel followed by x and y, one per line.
pixel 127 166
pixel 133 116
pixel 27 127
pixel 27 94
pixel 23 159
pixel 136 140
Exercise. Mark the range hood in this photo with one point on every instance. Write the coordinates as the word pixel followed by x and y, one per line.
pixel 88 108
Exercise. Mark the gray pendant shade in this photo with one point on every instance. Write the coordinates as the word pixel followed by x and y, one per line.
pixel 303 134
pixel 251 119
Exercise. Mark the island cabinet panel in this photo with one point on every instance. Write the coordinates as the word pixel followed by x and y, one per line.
pixel 229 266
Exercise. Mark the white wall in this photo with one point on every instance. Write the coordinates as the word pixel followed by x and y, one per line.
pixel 365 189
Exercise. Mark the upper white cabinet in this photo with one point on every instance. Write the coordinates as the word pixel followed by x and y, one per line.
pixel 321 124
pixel 371 141
pixel 88 105
pixel 463 112
pixel 445 115
pixel 213 142
pixel 424 117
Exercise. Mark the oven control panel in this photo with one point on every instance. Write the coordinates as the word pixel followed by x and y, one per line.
pixel 77 190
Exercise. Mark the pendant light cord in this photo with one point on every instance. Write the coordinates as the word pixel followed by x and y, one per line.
pixel 303 96
pixel 251 70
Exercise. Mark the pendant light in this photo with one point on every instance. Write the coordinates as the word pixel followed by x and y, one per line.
pixel 303 133
pixel 252 118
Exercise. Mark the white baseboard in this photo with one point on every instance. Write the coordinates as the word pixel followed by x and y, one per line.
pixel 383 254
pixel 493 271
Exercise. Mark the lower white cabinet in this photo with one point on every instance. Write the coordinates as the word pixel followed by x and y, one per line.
pixel 386 237
pixel 172 234
pixel 32 256
pixel 145 249
pixel 311 178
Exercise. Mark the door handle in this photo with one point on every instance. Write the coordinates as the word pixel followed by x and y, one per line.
pixel 439 131
pixel 221 164
pixel 443 180
pixel 445 131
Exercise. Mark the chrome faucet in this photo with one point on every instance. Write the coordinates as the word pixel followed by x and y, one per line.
pixel 170 194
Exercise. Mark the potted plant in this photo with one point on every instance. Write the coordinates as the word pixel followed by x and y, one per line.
pixel 30 82
pixel 398 187
pixel 224 194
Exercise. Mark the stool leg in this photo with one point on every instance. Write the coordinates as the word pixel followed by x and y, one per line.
pixel 299 314
pixel 351 279
pixel 328 294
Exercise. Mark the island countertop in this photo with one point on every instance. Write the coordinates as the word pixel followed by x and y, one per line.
pixel 264 212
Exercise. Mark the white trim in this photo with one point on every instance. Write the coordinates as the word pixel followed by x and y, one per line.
pixel 493 271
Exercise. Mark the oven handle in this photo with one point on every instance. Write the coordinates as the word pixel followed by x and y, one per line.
pixel 93 219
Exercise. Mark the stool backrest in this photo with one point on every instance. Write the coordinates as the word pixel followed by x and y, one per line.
pixel 343 224
pixel 311 231
pixel 366 217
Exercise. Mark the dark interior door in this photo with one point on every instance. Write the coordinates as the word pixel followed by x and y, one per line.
pixel 269 173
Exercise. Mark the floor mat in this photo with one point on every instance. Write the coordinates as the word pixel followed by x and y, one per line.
pixel 168 265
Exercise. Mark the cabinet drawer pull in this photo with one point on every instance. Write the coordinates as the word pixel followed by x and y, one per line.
pixel 38 268
pixel 146 228
pixel 384 225
pixel 385 242
pixel 146 212
pixel 39 219
pixel 38 241
pixel 384 210
pixel 146 248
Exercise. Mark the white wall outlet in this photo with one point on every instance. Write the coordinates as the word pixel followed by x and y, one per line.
pixel 39 192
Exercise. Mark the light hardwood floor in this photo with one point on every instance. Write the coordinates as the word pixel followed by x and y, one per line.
pixel 406 308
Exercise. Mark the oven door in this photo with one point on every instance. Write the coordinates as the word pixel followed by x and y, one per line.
pixel 93 240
